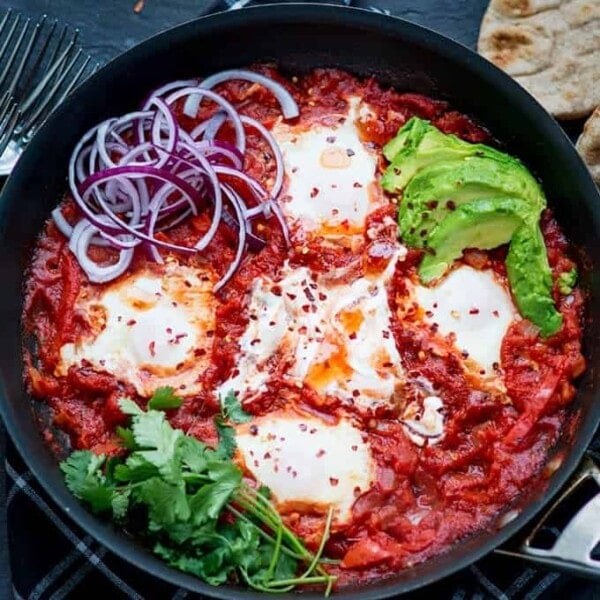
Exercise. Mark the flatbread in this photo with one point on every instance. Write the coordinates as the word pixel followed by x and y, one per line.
pixel 588 144
pixel 551 47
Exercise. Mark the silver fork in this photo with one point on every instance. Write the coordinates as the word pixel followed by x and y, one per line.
pixel 40 64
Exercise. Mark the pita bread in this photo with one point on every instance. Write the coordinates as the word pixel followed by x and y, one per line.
pixel 588 144
pixel 551 47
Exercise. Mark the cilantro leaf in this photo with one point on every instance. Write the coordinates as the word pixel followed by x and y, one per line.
pixel 164 398
pixel 166 502
pixel 85 480
pixel 231 409
pixel 227 444
pixel 129 407
pixel 127 439
pixel 208 502
pixel 193 454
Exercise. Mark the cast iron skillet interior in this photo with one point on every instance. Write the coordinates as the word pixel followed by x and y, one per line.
pixel 299 38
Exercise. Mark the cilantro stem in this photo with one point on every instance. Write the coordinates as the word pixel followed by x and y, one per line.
pixel 264 534
pixel 317 557
pixel 276 553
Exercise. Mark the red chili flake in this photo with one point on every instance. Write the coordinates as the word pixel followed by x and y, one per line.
pixel 322 296
pixel 495 366
pixel 333 481
pixel 464 354
pixel 276 468
pixel 354 447
pixel 255 341
pixel 253 317
pixel 182 386
pixel 174 304
pixel 495 313
pixel 169 330
pixel 313 430
pixel 119 318
pixel 386 334
pixel 357 491
pixel 294 169
pixel 272 323
pixel 352 336
pixel 474 311
pixel 303 426
pixel 209 333
pixel 276 290
pixel 256 463
pixel 330 139
pixel 187 283
pixel 350 152
pixel 387 365
pixel 303 330
pixel 131 322
pixel 267 455
pixel 288 469
pixel 291 296
pixel 294 474
pixel 308 294
pixel 199 352
pixel 356 393
pixel 320 453
pixel 253 431
pixel 356 184
pixel 314 192
pixel 313 308
pixel 180 336
pixel 435 305
pixel 305 307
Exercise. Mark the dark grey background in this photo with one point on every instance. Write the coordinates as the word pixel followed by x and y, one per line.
pixel 110 26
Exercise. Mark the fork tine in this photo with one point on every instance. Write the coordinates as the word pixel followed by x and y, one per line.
pixel 15 51
pixel 47 79
pixel 47 100
pixel 8 124
pixel 8 38
pixel 26 54
pixel 34 68
pixel 5 18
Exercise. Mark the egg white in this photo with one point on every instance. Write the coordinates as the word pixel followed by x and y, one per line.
pixel 150 329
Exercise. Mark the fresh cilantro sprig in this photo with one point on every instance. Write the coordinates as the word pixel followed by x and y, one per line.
pixel 191 504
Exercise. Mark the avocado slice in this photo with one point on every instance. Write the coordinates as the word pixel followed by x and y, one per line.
pixel 437 189
pixel 484 224
pixel 530 278
pixel 421 144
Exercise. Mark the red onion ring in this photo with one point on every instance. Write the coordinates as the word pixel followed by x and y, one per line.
pixel 288 105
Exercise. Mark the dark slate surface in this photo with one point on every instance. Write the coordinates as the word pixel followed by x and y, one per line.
pixel 110 26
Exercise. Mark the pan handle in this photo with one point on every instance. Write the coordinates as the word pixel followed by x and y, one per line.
pixel 572 549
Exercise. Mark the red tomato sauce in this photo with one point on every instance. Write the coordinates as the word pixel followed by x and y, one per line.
pixel 425 498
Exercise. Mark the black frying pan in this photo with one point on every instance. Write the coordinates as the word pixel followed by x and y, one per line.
pixel 299 37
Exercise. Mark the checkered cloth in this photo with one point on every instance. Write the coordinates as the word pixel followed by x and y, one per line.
pixel 51 558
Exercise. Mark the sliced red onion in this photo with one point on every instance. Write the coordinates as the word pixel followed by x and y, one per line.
pixel 233 267
pixel 61 223
pixel 240 138
pixel 210 128
pixel 274 148
pixel 79 244
pixel 288 105
pixel 141 173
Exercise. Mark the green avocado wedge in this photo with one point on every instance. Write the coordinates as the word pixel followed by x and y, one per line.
pixel 455 195
pixel 484 224
pixel 530 278
pixel 420 144
pixel 436 190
